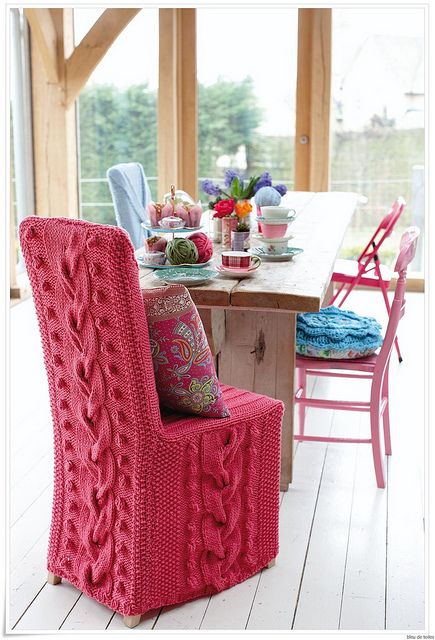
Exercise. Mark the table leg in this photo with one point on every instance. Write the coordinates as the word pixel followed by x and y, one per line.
pixel 259 355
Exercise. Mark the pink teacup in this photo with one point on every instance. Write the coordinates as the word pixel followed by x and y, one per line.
pixel 273 230
pixel 236 259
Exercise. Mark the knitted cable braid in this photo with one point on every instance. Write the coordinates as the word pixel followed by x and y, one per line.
pixel 148 510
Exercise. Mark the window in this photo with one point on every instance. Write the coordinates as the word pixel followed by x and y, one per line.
pixel 117 111
pixel 378 118
pixel 247 91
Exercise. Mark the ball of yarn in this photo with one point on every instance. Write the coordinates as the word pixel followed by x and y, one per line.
pixel 203 244
pixel 181 251
pixel 267 197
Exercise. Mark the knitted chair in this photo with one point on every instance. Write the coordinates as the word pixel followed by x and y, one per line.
pixel 147 510
pixel 131 195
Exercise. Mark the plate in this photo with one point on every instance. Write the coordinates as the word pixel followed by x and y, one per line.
pixel 175 230
pixel 275 221
pixel 187 276
pixel 286 255
pixel 198 265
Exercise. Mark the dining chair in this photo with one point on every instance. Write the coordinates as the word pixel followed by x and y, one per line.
pixel 131 195
pixel 149 509
pixel 374 367
pixel 367 269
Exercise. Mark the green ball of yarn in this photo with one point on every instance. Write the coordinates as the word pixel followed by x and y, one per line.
pixel 181 251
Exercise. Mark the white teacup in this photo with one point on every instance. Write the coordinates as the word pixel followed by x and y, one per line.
pixel 274 246
pixel 277 212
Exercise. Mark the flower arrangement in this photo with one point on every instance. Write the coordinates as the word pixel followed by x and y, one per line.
pixel 233 199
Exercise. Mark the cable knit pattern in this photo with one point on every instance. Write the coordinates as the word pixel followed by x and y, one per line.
pixel 148 509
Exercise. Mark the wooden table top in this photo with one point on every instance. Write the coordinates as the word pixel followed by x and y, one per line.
pixel 298 285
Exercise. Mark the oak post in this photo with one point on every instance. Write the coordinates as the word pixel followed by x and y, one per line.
pixel 54 127
pixel 177 101
pixel 313 100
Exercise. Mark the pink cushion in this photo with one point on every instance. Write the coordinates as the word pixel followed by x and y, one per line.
pixel 186 379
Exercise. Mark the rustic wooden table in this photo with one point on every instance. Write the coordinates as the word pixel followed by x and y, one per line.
pixel 250 323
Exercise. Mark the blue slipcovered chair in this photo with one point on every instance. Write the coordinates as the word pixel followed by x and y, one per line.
pixel 131 195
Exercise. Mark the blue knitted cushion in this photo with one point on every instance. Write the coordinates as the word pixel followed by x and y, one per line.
pixel 336 334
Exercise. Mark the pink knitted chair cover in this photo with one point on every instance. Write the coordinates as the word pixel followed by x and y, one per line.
pixel 145 513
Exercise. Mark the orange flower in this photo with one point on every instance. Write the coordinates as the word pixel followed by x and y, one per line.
pixel 243 208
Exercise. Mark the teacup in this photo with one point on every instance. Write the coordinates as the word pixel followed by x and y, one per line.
pixel 171 222
pixel 274 230
pixel 276 212
pixel 274 246
pixel 236 259
pixel 155 257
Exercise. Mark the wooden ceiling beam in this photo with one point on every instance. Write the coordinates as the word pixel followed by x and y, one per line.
pixel 91 50
pixel 45 33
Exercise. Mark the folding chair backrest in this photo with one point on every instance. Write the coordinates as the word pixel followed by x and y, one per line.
pixel 408 245
pixel 384 230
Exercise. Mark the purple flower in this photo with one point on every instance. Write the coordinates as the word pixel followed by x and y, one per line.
pixel 230 174
pixel 264 181
pixel 281 188
pixel 210 187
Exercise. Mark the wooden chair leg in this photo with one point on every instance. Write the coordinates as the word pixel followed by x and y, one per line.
pixel 272 563
pixel 52 579
pixel 131 621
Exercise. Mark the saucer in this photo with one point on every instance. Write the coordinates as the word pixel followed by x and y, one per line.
pixel 237 272
pixel 275 221
pixel 285 256
pixel 261 238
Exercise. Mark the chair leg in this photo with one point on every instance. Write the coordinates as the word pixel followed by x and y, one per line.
pixel 302 383
pixel 376 448
pixel 52 579
pixel 272 563
pixel 386 415
pixel 131 621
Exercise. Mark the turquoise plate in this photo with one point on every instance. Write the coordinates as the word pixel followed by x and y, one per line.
pixel 198 265
pixel 187 276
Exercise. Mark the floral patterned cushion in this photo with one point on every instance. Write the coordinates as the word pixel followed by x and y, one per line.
pixel 183 364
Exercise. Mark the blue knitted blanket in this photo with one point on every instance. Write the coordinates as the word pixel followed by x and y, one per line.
pixel 334 328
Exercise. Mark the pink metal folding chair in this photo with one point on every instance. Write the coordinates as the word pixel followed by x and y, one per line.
pixel 374 367
pixel 367 270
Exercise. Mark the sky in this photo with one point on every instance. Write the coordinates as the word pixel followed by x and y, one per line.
pixel 256 41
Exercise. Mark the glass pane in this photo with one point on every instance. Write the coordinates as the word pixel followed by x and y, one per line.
pixel 378 140
pixel 247 61
pixel 118 111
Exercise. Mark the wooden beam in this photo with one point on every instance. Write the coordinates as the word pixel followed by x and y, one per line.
pixel 178 101
pixel 54 128
pixel 44 33
pixel 91 50
pixel 313 100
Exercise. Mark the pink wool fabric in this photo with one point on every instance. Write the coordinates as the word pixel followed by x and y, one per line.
pixel 147 511
pixel 186 379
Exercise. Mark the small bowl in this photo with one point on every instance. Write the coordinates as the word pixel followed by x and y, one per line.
pixel 274 230
pixel 276 212
pixel 236 259
pixel 172 222
pixel 154 257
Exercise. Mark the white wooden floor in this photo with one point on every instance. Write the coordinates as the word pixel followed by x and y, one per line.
pixel 351 555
